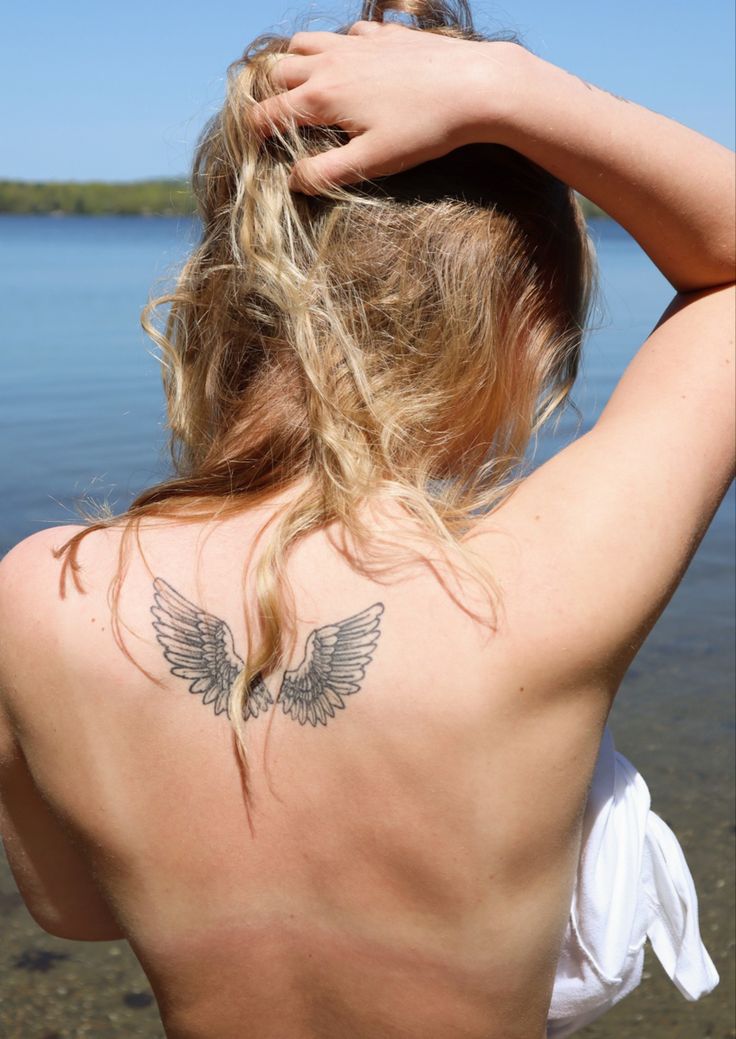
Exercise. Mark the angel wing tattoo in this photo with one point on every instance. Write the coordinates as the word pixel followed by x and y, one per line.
pixel 335 659
pixel 201 649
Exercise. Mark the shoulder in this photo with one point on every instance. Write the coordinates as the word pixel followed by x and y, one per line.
pixel 68 619
pixel 52 875
pixel 29 570
pixel 32 559
pixel 43 606
pixel 38 565
pixel 31 597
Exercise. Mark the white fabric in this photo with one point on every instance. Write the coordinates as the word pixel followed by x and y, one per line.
pixel 632 884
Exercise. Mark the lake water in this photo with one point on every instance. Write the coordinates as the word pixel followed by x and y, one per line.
pixel 81 415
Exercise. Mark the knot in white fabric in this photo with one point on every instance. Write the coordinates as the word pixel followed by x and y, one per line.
pixel 632 883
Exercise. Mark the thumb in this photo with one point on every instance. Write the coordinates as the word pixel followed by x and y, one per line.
pixel 348 164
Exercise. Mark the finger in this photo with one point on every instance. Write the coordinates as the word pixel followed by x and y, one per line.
pixel 279 113
pixel 291 70
pixel 315 42
pixel 363 28
pixel 348 164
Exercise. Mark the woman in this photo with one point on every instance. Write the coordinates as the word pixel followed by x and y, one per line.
pixel 389 298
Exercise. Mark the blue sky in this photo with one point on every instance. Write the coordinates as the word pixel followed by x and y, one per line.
pixel 94 90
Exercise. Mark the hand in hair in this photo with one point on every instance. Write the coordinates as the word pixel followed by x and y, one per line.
pixel 403 96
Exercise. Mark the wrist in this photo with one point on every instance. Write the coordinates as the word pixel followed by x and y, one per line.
pixel 500 84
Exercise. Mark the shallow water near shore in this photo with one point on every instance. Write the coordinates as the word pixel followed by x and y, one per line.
pixel 81 415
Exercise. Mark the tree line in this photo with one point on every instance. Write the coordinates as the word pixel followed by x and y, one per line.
pixel 97 198
pixel 134 198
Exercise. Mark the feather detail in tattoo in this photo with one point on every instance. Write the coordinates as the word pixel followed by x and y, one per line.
pixel 200 648
pixel 335 659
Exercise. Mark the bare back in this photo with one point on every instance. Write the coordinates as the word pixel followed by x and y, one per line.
pixel 409 867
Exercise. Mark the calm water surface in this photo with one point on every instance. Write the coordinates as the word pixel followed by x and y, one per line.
pixel 81 415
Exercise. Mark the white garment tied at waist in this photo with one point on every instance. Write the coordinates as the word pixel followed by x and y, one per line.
pixel 632 883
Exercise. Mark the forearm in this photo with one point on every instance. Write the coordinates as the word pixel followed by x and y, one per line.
pixel 672 188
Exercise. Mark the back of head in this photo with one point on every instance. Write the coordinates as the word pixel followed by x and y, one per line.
pixel 406 330
pixel 403 337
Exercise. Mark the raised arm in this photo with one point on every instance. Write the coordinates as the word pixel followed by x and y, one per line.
pixel 611 523
pixel 672 188
pixel 605 529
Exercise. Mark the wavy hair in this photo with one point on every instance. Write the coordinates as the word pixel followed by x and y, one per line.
pixel 402 338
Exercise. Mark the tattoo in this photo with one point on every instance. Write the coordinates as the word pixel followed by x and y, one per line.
pixel 200 648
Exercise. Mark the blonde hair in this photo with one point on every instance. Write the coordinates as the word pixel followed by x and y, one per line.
pixel 400 339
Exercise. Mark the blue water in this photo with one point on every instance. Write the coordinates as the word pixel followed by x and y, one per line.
pixel 81 409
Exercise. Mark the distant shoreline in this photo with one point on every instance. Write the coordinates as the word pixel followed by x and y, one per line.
pixel 168 197
pixel 96 198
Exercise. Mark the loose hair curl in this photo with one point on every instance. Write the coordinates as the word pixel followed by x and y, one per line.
pixel 402 338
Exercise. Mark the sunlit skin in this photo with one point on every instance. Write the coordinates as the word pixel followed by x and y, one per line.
pixel 405 870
